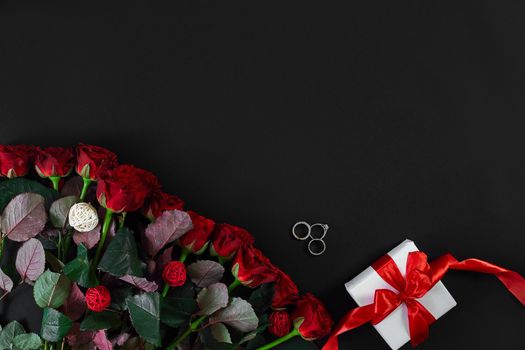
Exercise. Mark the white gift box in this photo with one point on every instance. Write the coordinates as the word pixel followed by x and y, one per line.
pixel 394 328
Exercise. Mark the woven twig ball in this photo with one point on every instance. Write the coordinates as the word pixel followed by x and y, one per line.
pixel 83 217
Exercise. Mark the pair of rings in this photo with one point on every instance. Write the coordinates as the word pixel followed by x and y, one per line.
pixel 314 239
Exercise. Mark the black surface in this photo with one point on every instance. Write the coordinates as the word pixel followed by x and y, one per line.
pixel 384 120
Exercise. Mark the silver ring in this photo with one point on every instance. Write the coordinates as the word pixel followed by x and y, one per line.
pixel 296 235
pixel 310 246
pixel 325 230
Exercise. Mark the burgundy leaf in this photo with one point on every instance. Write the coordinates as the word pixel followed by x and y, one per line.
pixel 73 186
pixel 75 304
pixel 168 227
pixel 76 337
pixel 101 341
pixel 120 339
pixel 141 283
pixel 6 284
pixel 89 239
pixel 30 260
pixel 24 217
pixel 205 272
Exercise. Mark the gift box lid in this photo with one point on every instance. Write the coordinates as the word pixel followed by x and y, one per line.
pixel 394 328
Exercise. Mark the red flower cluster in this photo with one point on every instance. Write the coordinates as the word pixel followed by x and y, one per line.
pixel 196 240
pixel 125 188
pixel 92 161
pixel 15 160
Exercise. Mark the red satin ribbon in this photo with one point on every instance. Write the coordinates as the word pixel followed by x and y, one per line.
pixel 420 277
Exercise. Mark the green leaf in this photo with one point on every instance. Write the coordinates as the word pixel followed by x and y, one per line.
pixel 212 298
pixel 59 211
pixel 239 315
pixel 221 333
pixel 53 261
pixel 261 298
pixel 118 297
pixel 100 320
pixel 175 311
pixel 10 331
pixel 28 341
pixel 55 325
pixel 121 257
pixel 11 188
pixel 144 312
pixel 263 325
pixel 51 289
pixel 79 269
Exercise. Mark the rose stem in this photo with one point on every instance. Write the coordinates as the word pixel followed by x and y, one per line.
pixel 2 242
pixel 105 229
pixel 193 326
pixel 87 182
pixel 55 180
pixel 233 285
pixel 184 254
pixel 165 290
pixel 122 220
pixel 281 340
pixel 67 243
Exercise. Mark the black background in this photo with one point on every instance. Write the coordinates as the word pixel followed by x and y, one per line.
pixel 384 120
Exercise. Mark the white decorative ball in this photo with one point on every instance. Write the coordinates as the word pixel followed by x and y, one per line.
pixel 83 217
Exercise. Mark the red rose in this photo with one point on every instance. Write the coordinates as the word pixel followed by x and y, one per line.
pixel 279 323
pixel 14 160
pixel 98 298
pixel 174 274
pixel 196 239
pixel 54 161
pixel 125 188
pixel 252 268
pixel 285 291
pixel 311 318
pixel 227 239
pixel 93 160
pixel 160 202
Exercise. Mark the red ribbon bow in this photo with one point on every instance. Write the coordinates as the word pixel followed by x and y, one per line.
pixel 420 278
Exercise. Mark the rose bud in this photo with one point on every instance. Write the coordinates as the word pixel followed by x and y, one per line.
pixel 285 291
pixel 160 202
pixel 174 274
pixel 227 239
pixel 279 323
pixel 98 298
pixel 54 161
pixel 311 319
pixel 196 240
pixel 14 160
pixel 252 268
pixel 125 188
pixel 94 160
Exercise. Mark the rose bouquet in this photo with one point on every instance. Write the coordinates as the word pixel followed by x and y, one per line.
pixel 114 262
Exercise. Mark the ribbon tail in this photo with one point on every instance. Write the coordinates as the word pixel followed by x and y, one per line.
pixel 513 281
pixel 353 319
pixel 419 321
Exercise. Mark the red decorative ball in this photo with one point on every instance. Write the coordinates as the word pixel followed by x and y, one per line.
pixel 174 274
pixel 279 323
pixel 98 298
